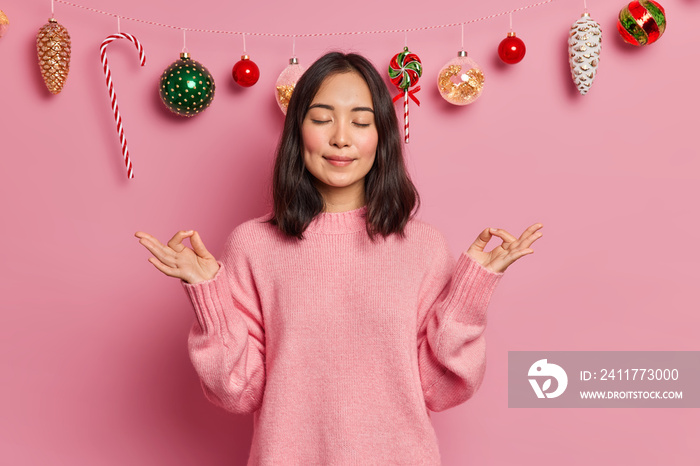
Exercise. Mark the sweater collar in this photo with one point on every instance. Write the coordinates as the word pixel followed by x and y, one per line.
pixel 338 222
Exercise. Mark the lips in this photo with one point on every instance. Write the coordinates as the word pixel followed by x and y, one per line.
pixel 338 161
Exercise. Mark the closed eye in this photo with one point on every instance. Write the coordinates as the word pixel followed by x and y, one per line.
pixel 320 122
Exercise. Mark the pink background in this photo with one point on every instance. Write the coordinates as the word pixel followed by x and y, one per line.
pixel 93 340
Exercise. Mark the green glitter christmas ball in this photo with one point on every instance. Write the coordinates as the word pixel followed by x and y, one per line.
pixel 186 87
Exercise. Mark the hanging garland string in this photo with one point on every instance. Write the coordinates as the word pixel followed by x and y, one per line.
pixel 315 34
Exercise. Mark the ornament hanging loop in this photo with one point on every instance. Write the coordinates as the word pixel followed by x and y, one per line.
pixel 184 41
pixel 511 21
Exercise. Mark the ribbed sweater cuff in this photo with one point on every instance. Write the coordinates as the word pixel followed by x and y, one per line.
pixel 469 294
pixel 208 299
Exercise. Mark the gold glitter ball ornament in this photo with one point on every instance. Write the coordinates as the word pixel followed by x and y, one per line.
pixel 53 52
pixel 460 81
pixel 4 23
pixel 284 87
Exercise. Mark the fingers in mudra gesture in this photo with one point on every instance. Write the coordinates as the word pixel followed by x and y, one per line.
pixel 177 260
pixel 510 250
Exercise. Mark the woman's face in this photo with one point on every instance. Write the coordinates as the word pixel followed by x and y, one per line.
pixel 339 125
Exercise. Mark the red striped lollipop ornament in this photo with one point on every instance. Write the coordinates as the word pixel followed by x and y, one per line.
pixel 113 95
pixel 405 69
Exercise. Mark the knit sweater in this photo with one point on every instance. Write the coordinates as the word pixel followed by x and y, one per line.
pixel 337 345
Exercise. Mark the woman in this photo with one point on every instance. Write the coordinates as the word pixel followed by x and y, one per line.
pixel 339 319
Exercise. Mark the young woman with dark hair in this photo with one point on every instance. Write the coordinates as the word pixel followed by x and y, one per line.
pixel 388 191
pixel 339 319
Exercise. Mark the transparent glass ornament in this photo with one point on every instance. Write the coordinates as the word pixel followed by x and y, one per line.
pixel 460 81
pixel 4 23
pixel 286 82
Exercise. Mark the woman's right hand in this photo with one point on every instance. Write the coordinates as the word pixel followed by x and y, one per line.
pixel 177 260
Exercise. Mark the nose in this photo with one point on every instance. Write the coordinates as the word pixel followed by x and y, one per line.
pixel 341 134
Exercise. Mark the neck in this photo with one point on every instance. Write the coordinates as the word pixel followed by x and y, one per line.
pixel 342 199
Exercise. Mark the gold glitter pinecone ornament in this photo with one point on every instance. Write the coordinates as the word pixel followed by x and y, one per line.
pixel 53 52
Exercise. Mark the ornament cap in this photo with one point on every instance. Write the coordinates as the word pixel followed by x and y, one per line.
pixel 52 20
pixel 461 53
pixel 511 34
pixel 293 61
pixel 245 57
pixel 184 55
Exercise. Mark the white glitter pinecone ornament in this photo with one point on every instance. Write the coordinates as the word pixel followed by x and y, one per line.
pixel 584 51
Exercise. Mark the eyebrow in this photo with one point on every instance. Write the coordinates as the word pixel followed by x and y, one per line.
pixel 330 107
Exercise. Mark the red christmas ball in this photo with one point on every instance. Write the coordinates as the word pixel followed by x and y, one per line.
pixel 511 49
pixel 245 72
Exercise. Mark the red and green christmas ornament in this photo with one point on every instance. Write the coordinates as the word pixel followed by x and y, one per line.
pixel 641 22
pixel 186 87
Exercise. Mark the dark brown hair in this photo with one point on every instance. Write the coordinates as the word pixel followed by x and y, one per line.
pixel 389 191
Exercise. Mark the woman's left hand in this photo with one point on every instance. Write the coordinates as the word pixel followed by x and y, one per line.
pixel 512 249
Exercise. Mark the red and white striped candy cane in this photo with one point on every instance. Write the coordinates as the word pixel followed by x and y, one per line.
pixel 405 114
pixel 113 96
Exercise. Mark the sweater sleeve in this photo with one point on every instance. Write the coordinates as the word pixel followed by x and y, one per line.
pixel 452 317
pixel 227 341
